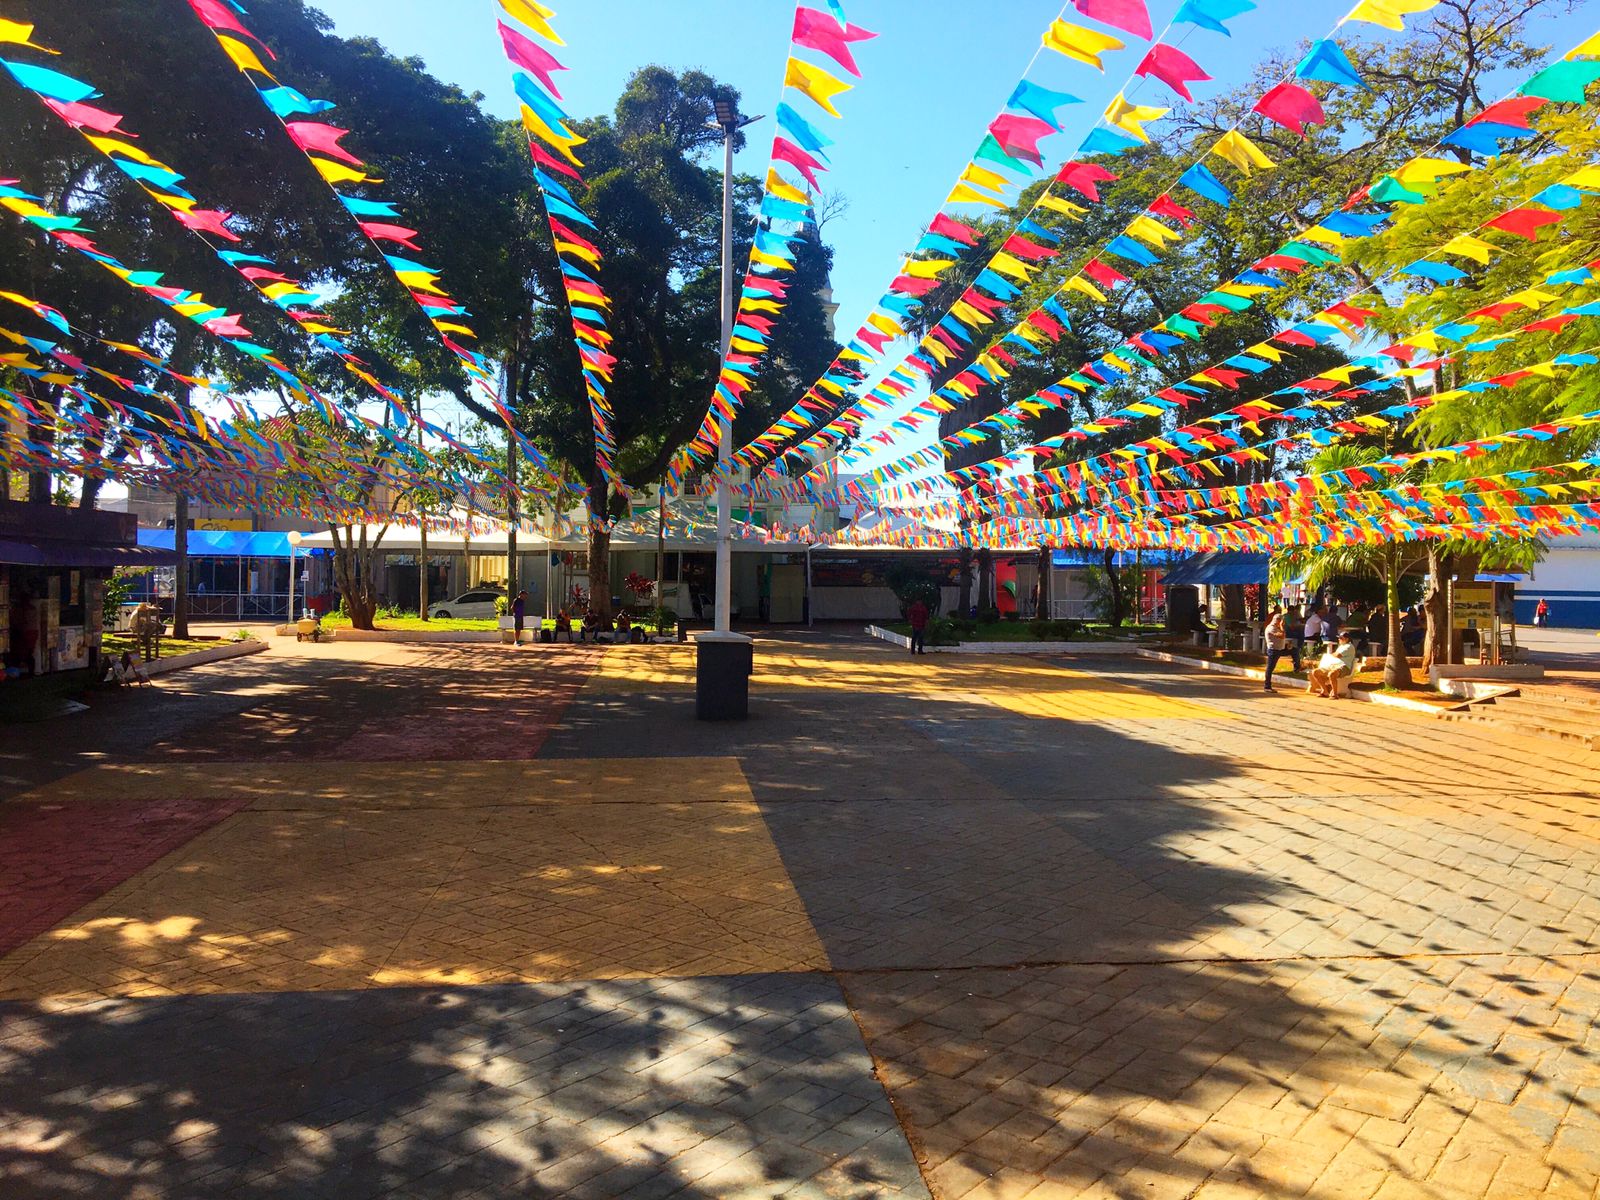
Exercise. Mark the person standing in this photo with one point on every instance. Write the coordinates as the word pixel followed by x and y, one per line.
pixel 917 615
pixel 519 612
pixel 1277 645
pixel 1541 613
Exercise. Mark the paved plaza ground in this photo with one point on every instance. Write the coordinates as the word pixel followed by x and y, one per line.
pixel 358 920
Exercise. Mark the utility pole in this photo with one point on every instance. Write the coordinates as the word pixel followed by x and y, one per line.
pixel 422 534
pixel 180 572
pixel 511 512
pixel 723 659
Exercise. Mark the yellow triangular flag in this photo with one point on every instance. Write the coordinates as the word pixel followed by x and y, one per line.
pixel 18 34
pixel 534 124
pixel 1240 151
pixel 1390 14
pixel 1149 230
pixel 1130 118
pixel 1588 48
pixel 1531 298
pixel 1430 170
pixel 927 268
pixel 770 260
pixel 1057 204
pixel 1079 284
pixel 780 187
pixel 815 83
pixel 1584 177
pixel 111 145
pixel 1083 45
pixel 962 194
pixel 1010 264
pixel 535 16
pixel 1467 246
pixel 337 172
pixel 983 177
pixel 243 57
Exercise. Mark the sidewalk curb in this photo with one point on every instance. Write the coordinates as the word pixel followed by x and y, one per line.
pixel 1288 681
pixel 197 658
pixel 901 640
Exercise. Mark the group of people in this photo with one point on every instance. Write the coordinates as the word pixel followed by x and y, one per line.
pixel 591 627
pixel 1338 634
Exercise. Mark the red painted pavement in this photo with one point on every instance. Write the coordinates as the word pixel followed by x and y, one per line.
pixel 56 858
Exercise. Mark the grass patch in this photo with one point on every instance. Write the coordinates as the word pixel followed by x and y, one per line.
pixel 334 621
pixel 113 644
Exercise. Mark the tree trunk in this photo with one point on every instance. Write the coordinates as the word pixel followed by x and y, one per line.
pixel 355 574
pixel 599 548
pixel 1108 560
pixel 39 489
pixel 1042 609
pixel 985 579
pixel 422 573
pixel 1396 668
pixel 180 572
pixel 1233 605
pixel 966 581
pixel 511 514
pixel 1435 609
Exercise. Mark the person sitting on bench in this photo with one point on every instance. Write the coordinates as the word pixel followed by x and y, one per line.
pixel 590 630
pixel 624 626
pixel 563 626
pixel 1336 665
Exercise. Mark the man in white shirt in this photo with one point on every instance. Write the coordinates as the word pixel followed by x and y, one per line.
pixel 1314 626
pixel 1339 663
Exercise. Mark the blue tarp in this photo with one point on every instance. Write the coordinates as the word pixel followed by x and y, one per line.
pixel 222 543
pixel 1081 556
pixel 1219 567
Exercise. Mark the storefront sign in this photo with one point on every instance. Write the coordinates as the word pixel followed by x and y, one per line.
pixel 1474 606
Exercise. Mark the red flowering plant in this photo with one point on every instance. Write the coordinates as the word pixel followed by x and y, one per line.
pixel 639 586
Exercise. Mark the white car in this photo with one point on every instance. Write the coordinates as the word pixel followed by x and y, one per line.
pixel 476 603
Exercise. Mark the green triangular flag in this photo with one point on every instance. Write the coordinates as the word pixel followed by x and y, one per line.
pixel 1564 82
pixel 1390 190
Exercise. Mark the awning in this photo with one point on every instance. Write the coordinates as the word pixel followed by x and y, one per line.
pixel 1220 567
pixel 47 553
pixel 220 543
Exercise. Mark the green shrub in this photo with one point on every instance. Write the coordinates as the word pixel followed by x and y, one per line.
pixel 502 605
pixel 664 620
pixel 943 632
pixel 1064 631
pixel 1042 629
pixel 117 591
pixel 988 616
pixel 967 626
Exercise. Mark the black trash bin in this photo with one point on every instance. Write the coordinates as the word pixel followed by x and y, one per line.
pixel 723 663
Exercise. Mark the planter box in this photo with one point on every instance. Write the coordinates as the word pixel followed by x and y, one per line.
pixel 1524 671
pixel 212 654
pixel 1029 647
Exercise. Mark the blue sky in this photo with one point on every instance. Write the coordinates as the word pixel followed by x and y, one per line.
pixel 937 74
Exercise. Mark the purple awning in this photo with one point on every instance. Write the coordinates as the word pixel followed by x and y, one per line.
pixel 50 553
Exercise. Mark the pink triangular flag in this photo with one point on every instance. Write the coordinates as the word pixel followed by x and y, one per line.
pixel 1291 106
pixel 820 31
pixel 1128 15
pixel 530 56
pixel 1019 136
pixel 1173 67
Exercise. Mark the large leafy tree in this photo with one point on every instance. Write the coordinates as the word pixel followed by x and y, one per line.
pixel 457 174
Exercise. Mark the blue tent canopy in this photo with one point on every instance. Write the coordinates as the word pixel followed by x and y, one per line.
pixel 1081 556
pixel 1219 567
pixel 222 543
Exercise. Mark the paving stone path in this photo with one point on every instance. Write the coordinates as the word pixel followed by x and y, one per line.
pixel 351 921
